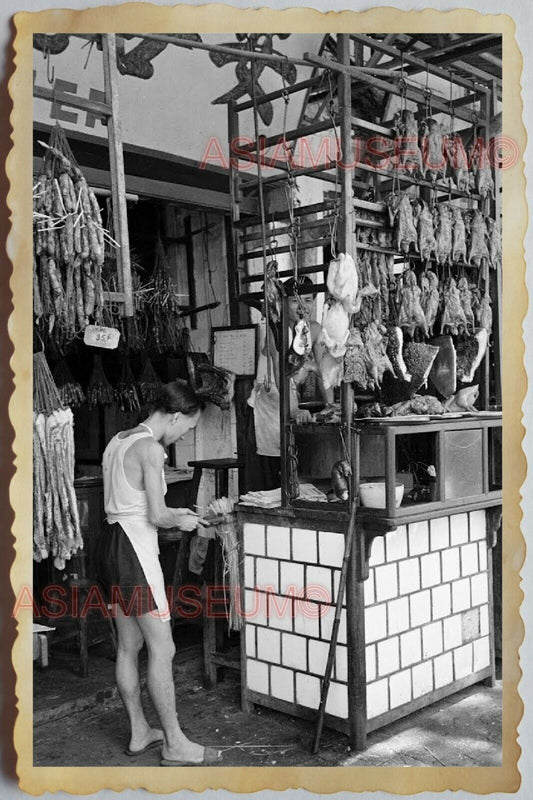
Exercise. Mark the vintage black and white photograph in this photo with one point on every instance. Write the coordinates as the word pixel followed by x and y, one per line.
pixel 267 399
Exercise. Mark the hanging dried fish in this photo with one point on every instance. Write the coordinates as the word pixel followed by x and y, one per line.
pixel 149 383
pixel 99 390
pixel 69 388
pixel 125 391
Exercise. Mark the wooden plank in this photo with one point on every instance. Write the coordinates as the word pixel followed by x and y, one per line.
pixel 276 232
pixel 277 216
pixel 286 273
pixel 102 110
pixel 296 133
pixel 116 162
pixel 318 172
pixel 191 282
pixel 296 87
pixel 356 644
pixel 411 93
pixel 322 242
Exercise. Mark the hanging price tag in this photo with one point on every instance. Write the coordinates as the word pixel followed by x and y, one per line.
pixel 100 336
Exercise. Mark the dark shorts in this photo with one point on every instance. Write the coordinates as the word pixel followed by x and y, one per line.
pixel 120 575
pixel 260 472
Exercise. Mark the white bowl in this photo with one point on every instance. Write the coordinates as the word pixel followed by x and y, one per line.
pixel 373 494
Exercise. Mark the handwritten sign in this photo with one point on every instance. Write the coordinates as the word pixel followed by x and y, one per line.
pixel 235 349
pixel 100 336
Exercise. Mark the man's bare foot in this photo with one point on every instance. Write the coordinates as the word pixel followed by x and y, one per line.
pixel 184 750
pixel 142 739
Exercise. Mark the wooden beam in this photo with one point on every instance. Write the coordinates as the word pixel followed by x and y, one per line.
pixel 102 110
pixel 276 216
pixel 377 55
pixel 297 87
pixel 116 162
pixel 290 136
pixel 410 59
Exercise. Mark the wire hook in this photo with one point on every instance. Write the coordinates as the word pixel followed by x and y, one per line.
pixel 50 74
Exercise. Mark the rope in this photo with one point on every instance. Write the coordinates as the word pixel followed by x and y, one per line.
pixel 335 216
pixel 268 377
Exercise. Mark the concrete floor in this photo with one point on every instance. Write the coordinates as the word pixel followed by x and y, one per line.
pixel 81 722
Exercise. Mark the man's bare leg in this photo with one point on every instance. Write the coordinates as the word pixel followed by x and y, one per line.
pixel 161 649
pixel 130 641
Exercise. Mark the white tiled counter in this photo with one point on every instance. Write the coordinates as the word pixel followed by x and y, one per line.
pixel 423 629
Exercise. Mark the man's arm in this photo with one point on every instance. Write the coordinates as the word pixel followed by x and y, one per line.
pixel 152 461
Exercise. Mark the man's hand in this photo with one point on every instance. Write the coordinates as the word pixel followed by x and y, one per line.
pixel 186 520
pixel 302 416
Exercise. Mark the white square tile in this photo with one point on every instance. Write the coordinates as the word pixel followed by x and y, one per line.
pixel 451 564
pixel 341 663
pixel 430 570
pixel 377 698
pixel 280 612
pixel 331 548
pixel 484 620
pixel 388 656
pixel 249 579
pixel 318 583
pixel 291 579
pixel 432 641
pixel 453 632
pixel 375 622
pixel 293 651
pixel 304 545
pixel 418 535
pixel 469 559
pixel 266 573
pixel 462 659
pixel 254 539
pixel 278 542
pixel 420 607
pixel 255 607
pixel 250 641
pixel 443 667
pixel 369 589
pixel 306 619
pixel 396 544
pixel 458 529
pixel 441 601
pixel 337 702
pixel 439 533
pixel 460 595
pixel 386 581
pixel 483 564
pixel 481 653
pixel 282 683
pixel 318 656
pixel 409 575
pixel 257 676
pixel 400 688
pixel 268 645
pixel 377 552
pixel 422 678
pixel 307 690
pixel 410 648
pixel 398 614
pixel 480 588
pixel 478 525
pixel 371 663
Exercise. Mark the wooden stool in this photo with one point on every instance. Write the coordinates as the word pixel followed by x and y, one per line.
pixel 213 628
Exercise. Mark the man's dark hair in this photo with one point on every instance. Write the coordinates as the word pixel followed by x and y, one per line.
pixel 301 285
pixel 178 396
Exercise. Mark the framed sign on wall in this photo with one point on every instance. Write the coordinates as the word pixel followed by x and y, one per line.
pixel 235 348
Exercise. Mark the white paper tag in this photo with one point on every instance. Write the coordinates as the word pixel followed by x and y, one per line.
pixel 100 336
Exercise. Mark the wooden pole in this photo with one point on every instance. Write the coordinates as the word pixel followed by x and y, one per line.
pixel 116 164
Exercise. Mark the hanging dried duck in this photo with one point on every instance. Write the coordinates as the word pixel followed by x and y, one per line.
pixel 481 168
pixel 478 249
pixel 215 384
pixel 466 301
pixel 432 145
pixel 457 162
pixel 427 244
pixel 99 390
pixel 458 235
pixel 411 315
pixel 401 218
pixel 495 243
pixel 408 155
pixel 56 524
pixel 453 315
pixel 443 232
pixel 430 298
pixel 375 351
pixel 70 391
pixel 335 327
pixel 484 313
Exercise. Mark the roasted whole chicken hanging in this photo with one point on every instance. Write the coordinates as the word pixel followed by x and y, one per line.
pixel 430 298
pixel 401 218
pixel 443 232
pixel 458 236
pixel 335 327
pixel 427 244
pixel 478 240
pixel 453 316
pixel 432 145
pixel 407 152
pixel 411 315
